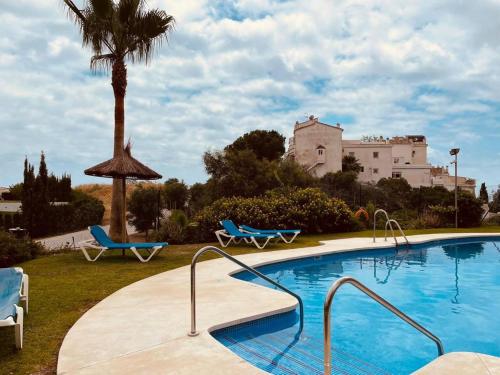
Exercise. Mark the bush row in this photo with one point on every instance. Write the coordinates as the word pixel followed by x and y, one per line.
pixel 14 250
pixel 81 212
pixel 10 220
pixel 309 209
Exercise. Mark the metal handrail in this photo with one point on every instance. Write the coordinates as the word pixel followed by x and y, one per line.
pixel 375 223
pixel 214 249
pixel 399 228
pixel 370 293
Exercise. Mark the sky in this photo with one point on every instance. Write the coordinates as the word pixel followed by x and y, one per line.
pixel 378 67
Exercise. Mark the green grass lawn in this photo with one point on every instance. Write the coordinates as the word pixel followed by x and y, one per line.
pixel 63 286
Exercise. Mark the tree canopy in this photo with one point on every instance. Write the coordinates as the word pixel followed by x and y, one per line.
pixel 120 30
pixel 265 144
pixel 483 193
pixel 351 164
pixel 175 193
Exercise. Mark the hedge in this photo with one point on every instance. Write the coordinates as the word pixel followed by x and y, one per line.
pixel 14 250
pixel 309 209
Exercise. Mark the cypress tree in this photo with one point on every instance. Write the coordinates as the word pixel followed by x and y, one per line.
pixel 483 193
pixel 28 195
pixel 41 205
pixel 8 221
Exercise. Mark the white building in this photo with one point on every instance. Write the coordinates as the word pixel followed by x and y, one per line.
pixel 440 176
pixel 320 148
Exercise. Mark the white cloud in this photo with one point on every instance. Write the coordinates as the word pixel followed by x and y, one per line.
pixel 393 68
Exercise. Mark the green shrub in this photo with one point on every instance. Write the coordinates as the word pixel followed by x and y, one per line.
pixel 80 213
pixel 470 210
pixel 8 221
pixel 494 220
pixel 14 250
pixel 428 219
pixel 309 209
pixel 445 214
pixel 143 207
pixel 174 230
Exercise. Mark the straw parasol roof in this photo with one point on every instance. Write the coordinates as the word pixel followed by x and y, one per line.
pixel 124 166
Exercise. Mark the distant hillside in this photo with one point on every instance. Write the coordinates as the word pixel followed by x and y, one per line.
pixel 103 193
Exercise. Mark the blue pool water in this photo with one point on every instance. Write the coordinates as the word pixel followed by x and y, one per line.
pixel 450 287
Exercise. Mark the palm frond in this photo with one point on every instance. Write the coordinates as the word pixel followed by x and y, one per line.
pixel 102 62
pixel 149 30
pixel 102 8
pixel 74 12
pixel 123 28
pixel 128 9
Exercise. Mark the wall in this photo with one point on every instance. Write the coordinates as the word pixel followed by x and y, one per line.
pixel 308 137
pixel 364 153
pixel 416 175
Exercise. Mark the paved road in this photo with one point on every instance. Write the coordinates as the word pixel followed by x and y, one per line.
pixel 68 239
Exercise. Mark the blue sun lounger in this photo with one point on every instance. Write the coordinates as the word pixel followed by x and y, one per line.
pixel 102 242
pixel 235 235
pixel 13 290
pixel 281 232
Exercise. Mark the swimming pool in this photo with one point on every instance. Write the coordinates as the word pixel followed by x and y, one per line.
pixel 451 287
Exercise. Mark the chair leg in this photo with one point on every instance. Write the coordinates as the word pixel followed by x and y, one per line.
pixel 25 292
pixel 156 249
pixel 263 245
pixel 87 256
pixel 18 327
pixel 219 238
pixel 290 240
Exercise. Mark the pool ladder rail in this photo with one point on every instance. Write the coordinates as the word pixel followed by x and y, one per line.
pixel 388 223
pixel 216 250
pixel 327 326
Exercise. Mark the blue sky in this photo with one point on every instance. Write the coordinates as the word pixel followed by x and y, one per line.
pixel 377 67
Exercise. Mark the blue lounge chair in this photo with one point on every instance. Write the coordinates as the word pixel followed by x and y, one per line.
pixel 281 232
pixel 232 232
pixel 102 242
pixel 13 290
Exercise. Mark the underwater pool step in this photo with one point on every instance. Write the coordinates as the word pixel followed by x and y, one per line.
pixel 277 353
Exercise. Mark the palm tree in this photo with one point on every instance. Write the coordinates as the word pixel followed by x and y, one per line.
pixel 118 32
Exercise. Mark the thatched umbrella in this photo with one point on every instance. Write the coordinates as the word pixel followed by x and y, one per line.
pixel 123 166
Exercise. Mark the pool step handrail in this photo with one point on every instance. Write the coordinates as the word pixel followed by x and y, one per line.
pixel 216 250
pixel 370 293
pixel 382 211
pixel 393 221
pixel 389 223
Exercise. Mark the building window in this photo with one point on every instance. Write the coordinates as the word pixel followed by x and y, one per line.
pixel 396 174
pixel 362 169
pixel 351 153
pixel 320 151
pixel 396 160
pixel 375 170
pixel 375 155
pixel 413 154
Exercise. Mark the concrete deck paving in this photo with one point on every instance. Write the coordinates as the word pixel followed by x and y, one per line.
pixel 142 328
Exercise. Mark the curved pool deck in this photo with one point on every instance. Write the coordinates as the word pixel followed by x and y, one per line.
pixel 142 328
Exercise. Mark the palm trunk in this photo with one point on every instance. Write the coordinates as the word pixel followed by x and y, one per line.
pixel 117 230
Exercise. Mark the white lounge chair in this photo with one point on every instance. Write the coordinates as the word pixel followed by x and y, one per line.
pixel 14 289
pixel 292 233
pixel 102 242
pixel 234 234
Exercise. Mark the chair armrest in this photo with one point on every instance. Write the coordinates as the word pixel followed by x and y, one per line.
pixel 223 233
pixel 90 243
